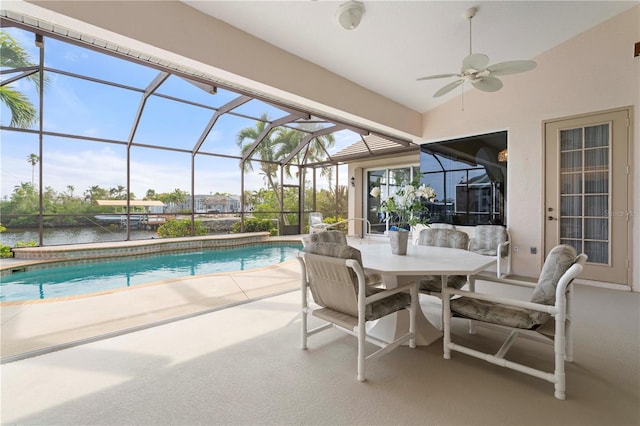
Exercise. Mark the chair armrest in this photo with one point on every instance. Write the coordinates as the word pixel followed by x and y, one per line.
pixel 390 291
pixel 502 300
pixel 509 281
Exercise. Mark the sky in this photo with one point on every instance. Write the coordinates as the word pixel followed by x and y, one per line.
pixel 95 110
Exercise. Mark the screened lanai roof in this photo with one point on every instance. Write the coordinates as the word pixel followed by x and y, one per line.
pixel 151 93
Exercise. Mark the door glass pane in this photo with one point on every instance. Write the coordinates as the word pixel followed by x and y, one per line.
pixel 571 183
pixel 376 179
pixel 570 139
pixel 571 228
pixel 596 205
pixel 596 183
pixel 597 251
pixel 584 191
pixel 596 159
pixel 596 136
pixel 570 161
pixel 596 229
pixel 571 206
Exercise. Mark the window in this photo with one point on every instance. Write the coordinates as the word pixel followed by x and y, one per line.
pixel 389 181
pixel 468 178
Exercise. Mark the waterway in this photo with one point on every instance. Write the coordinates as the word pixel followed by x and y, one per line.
pixel 73 235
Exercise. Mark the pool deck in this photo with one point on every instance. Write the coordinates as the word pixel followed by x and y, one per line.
pixel 35 327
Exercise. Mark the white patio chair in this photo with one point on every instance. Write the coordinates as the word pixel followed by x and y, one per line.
pixel 333 273
pixel 493 240
pixel 551 298
pixel 332 236
pixel 316 223
pixel 441 237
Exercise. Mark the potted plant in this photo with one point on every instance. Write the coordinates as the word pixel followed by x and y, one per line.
pixel 403 210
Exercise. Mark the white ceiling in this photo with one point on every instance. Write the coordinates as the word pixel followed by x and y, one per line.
pixel 400 41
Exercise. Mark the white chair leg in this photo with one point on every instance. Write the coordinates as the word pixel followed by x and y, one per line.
pixel 413 309
pixel 361 355
pixel 304 303
pixel 472 288
pixel 559 350
pixel 568 356
pixel 446 322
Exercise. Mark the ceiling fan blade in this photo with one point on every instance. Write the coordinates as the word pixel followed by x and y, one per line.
pixel 477 61
pixel 511 67
pixel 487 84
pixel 449 87
pixel 432 77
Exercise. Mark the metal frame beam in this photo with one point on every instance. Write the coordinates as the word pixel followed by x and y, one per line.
pixel 287 119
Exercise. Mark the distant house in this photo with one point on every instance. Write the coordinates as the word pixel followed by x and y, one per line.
pixel 145 206
pixel 222 204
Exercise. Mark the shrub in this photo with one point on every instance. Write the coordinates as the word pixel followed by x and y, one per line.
pixel 5 251
pixel 26 244
pixel 335 219
pixel 181 228
pixel 255 225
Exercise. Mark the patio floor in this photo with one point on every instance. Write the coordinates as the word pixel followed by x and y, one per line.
pixel 34 327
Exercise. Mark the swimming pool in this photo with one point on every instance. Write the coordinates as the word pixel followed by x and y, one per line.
pixel 76 278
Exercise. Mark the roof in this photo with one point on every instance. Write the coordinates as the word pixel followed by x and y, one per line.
pixel 373 146
pixel 123 203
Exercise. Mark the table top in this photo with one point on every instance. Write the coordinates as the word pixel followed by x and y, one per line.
pixel 423 259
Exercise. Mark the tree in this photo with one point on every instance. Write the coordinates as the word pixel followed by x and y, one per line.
pixel 266 151
pixel 12 55
pixel 95 192
pixel 33 159
pixel 151 195
pixel 278 145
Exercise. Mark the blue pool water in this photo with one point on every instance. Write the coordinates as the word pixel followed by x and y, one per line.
pixel 83 278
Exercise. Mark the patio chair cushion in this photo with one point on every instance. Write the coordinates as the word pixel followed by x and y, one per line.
pixel 439 237
pixel 434 282
pixel 495 313
pixel 342 251
pixel 338 237
pixel 330 236
pixel 386 306
pixel 487 238
pixel 442 237
pixel 373 310
pixel 558 261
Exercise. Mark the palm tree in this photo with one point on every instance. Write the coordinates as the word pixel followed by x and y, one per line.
pixel 95 192
pixel 33 159
pixel 276 146
pixel 267 150
pixel 12 55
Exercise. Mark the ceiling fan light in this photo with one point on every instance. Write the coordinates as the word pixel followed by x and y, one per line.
pixel 350 14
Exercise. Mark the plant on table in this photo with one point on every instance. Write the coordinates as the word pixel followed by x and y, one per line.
pixel 406 206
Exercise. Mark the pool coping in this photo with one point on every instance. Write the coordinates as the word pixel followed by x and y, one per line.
pixel 134 247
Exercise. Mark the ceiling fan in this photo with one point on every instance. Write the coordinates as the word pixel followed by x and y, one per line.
pixel 475 70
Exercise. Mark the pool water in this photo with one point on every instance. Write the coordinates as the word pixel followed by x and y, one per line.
pixel 82 278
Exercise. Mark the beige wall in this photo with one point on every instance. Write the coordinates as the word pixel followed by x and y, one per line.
pixel 592 72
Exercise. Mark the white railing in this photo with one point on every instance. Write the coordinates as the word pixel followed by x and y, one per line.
pixel 368 230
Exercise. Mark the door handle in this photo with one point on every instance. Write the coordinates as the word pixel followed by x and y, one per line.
pixel 551 218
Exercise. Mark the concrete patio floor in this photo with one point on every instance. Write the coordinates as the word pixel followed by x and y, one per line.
pixel 34 327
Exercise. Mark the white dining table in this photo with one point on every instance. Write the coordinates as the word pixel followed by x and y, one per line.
pixel 419 260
